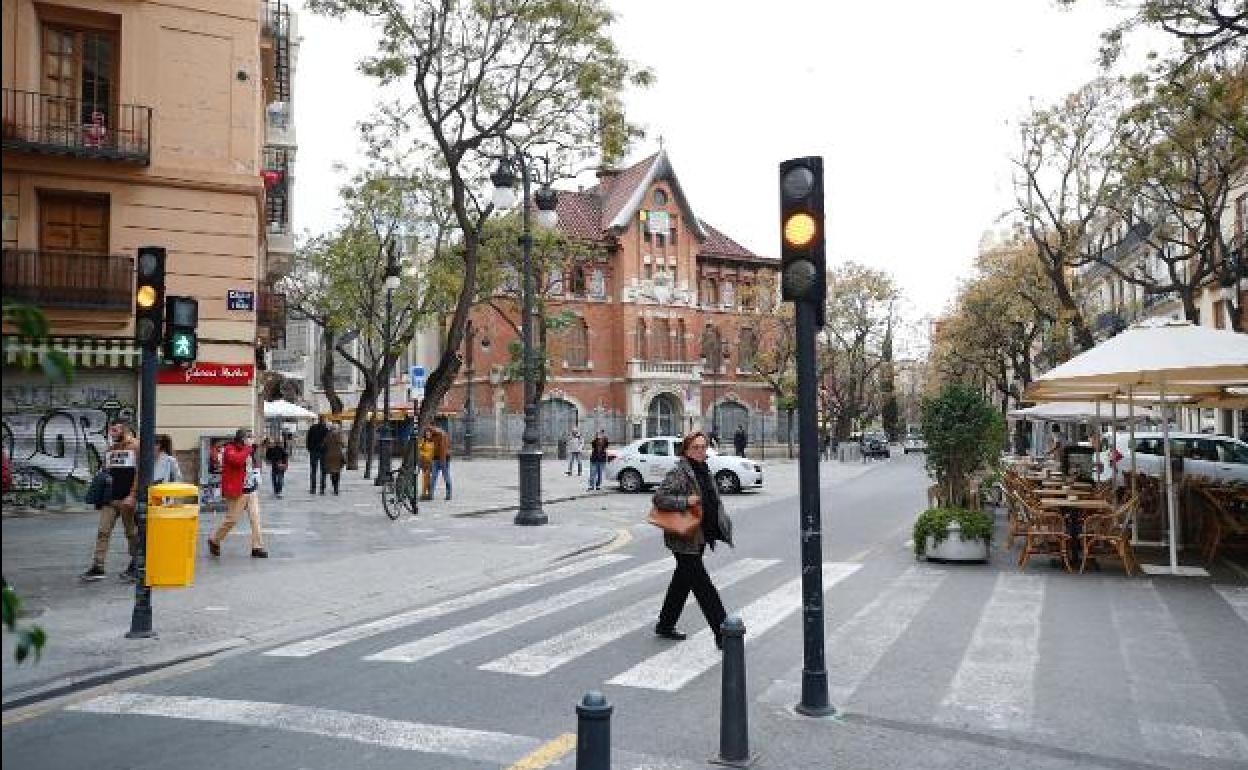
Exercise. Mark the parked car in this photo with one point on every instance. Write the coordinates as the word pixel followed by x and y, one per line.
pixel 913 443
pixel 645 462
pixel 875 444
pixel 1220 458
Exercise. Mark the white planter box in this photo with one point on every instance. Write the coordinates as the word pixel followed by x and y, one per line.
pixel 955 548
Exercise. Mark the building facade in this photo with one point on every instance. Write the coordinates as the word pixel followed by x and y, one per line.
pixel 662 327
pixel 128 125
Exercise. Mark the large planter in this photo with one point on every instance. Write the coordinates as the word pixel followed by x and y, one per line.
pixel 955 547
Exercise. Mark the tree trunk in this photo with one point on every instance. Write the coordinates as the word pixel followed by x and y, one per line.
pixel 327 371
pixel 366 404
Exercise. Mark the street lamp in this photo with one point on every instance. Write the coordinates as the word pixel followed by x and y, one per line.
pixel 530 512
pixel 391 283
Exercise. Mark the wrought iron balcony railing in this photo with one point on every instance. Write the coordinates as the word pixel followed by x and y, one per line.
pixel 59 125
pixel 68 279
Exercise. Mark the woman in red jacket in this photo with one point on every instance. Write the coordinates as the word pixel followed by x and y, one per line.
pixel 238 487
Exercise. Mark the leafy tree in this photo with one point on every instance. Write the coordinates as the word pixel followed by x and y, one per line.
pixel 1204 27
pixel 1066 176
pixel 963 434
pixel 489 77
pixel 861 308
pixel 1183 152
pixel 890 412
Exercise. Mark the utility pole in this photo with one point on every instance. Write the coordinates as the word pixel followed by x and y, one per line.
pixel 803 281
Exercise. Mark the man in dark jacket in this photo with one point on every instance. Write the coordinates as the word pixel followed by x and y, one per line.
pixel 739 440
pixel 316 451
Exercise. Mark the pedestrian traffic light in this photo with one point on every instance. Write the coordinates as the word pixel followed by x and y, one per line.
pixel 802 261
pixel 149 296
pixel 181 320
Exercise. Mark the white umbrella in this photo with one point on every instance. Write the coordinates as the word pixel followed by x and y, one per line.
pixel 1154 360
pixel 1072 411
pixel 282 409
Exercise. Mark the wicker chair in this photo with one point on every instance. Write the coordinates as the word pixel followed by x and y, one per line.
pixel 1110 533
pixel 1046 535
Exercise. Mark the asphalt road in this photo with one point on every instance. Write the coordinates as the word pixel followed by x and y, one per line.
pixel 933 666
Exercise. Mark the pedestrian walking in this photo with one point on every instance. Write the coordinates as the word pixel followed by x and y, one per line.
pixel 597 459
pixel 425 450
pixel 166 467
pixel 441 461
pixel 278 458
pixel 688 484
pixel 333 457
pixel 576 445
pixel 739 440
pixel 316 453
pixel 240 480
pixel 121 463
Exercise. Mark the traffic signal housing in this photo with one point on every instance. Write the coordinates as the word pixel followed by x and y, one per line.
pixel 803 264
pixel 181 329
pixel 149 296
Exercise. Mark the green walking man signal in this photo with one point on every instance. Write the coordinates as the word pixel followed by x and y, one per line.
pixel 181 320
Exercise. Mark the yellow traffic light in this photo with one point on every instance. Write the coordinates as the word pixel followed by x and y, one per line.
pixel 145 297
pixel 799 229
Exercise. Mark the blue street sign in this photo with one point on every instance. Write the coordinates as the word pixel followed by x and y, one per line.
pixel 238 299
pixel 416 376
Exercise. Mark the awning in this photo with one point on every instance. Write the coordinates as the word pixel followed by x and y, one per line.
pixel 84 352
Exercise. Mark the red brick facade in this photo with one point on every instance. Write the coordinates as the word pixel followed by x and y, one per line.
pixel 647 312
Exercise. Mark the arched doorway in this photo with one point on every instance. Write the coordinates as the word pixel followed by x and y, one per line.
pixel 728 415
pixel 555 418
pixel 663 416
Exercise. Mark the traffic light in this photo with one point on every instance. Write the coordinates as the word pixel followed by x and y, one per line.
pixel 149 296
pixel 802 262
pixel 181 320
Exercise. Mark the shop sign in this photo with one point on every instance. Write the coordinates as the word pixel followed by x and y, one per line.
pixel 207 373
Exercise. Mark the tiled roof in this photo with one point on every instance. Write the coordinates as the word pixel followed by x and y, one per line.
pixel 580 214
pixel 619 188
pixel 720 245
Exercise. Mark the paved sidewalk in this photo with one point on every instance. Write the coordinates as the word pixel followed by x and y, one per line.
pixel 334 560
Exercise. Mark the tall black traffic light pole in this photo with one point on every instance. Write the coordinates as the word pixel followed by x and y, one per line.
pixel 803 281
pixel 149 310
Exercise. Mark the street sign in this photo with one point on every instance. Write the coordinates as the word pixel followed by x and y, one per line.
pixel 416 382
pixel 240 299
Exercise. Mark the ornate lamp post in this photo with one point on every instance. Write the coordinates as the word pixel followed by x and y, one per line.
pixel 504 197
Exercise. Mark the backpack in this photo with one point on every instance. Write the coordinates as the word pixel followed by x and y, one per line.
pixel 100 490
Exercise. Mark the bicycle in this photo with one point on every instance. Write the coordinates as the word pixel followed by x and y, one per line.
pixel 401 492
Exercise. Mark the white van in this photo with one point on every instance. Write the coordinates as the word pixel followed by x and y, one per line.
pixel 1219 458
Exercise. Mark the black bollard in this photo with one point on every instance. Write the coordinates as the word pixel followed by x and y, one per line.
pixel 734 722
pixel 593 732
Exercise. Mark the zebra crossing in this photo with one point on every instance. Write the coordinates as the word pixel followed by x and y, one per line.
pixel 995 686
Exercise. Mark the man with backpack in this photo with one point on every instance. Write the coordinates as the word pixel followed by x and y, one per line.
pixel 121 464
pixel 316 452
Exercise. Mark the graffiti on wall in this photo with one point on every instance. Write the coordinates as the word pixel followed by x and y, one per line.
pixel 56 435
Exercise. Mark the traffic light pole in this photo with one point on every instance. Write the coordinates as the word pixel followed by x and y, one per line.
pixel 814 673
pixel 141 617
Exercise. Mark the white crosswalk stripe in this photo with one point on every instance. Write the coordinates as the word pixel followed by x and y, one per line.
pixel 548 654
pixel 363 631
pixel 869 634
pixel 674 668
pixel 432 645
pixel 995 682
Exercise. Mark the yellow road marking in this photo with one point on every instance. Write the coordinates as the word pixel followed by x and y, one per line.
pixel 548 753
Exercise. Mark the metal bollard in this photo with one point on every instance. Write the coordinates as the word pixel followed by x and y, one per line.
pixel 734 727
pixel 593 732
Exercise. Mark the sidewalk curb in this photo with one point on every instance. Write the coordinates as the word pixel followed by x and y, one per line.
pixel 516 507
pixel 51 694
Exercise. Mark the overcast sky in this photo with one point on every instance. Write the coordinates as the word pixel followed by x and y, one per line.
pixel 913 105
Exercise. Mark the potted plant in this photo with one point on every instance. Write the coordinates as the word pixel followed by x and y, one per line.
pixel 964 435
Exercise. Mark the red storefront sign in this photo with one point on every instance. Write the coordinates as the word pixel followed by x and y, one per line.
pixel 207 373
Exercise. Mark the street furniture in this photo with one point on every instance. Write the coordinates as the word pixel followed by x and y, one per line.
pixel 1109 533
pixel 172 527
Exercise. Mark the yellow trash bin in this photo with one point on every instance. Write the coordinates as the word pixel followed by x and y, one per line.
pixel 172 527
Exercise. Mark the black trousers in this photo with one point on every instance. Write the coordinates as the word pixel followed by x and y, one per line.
pixel 690 575
pixel 315 460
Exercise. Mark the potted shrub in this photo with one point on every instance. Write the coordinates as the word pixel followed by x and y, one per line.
pixel 964 435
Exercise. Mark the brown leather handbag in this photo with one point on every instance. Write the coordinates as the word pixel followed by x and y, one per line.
pixel 679 523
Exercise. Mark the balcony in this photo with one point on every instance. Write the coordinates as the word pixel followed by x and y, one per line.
pixel 668 371
pixel 58 125
pixel 271 315
pixel 74 280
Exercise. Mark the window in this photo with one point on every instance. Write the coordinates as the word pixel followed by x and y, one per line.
pixel 79 66
pixel 10 217
pixel 660 241
pixel 727 294
pixel 576 353
pixel 662 419
pixel 709 294
pixel 712 350
pixel 747 349
pixel 663 340
pixel 660 197
pixel 597 283
pixel 679 351
pixel 641 340
pixel 661 448
pixel 578 280
pixel 71 223
pixel 555 281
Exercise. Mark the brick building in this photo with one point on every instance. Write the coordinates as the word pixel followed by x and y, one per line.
pixel 667 322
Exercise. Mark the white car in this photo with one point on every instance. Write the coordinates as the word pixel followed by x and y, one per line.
pixel 914 443
pixel 646 461
pixel 1219 458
